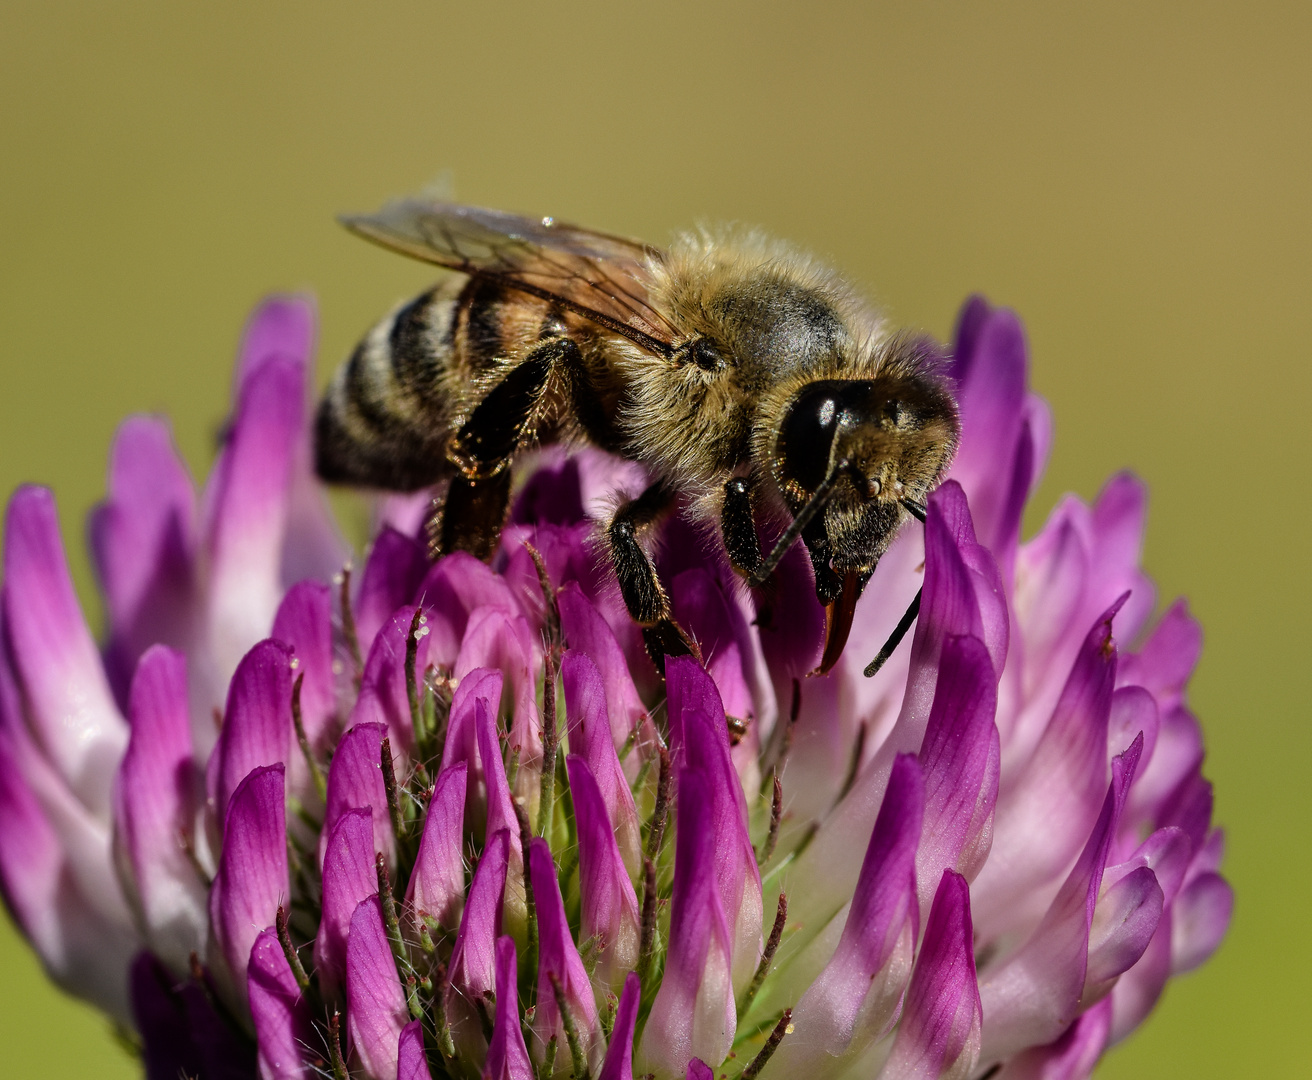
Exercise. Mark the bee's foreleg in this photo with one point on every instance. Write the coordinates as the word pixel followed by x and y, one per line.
pixel 639 584
pixel 738 527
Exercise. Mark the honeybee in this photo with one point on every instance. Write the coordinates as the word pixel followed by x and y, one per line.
pixel 748 379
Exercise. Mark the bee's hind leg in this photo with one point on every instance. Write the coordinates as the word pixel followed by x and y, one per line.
pixel 474 510
pixel 639 584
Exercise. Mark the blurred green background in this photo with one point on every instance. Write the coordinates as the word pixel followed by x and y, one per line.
pixel 1135 180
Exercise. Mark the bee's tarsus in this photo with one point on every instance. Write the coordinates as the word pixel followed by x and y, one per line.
pixel 915 509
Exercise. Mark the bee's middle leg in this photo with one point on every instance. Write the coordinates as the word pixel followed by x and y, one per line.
pixel 639 584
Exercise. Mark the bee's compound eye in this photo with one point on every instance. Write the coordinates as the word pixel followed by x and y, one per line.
pixel 808 433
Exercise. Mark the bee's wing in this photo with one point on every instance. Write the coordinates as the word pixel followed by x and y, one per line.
pixel 604 278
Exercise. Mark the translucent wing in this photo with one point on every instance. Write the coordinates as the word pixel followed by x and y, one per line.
pixel 604 278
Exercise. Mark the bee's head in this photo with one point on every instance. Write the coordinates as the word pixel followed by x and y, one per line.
pixel 884 442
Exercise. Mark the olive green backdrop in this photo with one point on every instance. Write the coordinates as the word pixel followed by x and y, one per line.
pixel 1135 181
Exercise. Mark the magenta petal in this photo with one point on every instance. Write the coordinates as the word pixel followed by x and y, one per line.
pixel 1044 815
pixel 70 707
pixel 257 723
pixel 246 509
pixel 280 326
pixel 500 803
pixel 618 1064
pixel 456 586
pixel 376 1010
pixel 437 883
pixel 693 1014
pixel 1123 924
pixel 589 634
pixel 558 958
pixel 609 906
pixel 305 622
pixel 350 875
pixel 157 797
pixel 393 571
pixel 160 1018
pixel 507 1056
pixel 960 760
pixel 990 362
pixel 472 968
pixel 1071 1057
pixel 384 697
pixel 280 1012
pixel 856 997
pixel 939 1033
pixel 355 781
pixel 1200 918
pixel 143 543
pixel 1139 989
pixel 494 639
pixel 699 1070
pixel 252 880
pixel 699 739
pixel 1170 654
pixel 412 1060
pixel 481 687
pixel 1032 996
pixel 590 737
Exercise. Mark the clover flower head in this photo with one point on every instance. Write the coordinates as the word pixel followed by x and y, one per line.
pixel 447 820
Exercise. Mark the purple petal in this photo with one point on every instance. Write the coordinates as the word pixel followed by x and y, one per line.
pixel 618 1064
pixel 1177 757
pixel 494 639
pixel 1032 997
pixel 305 622
pixel 1200 918
pixel 252 879
pixel 939 1033
pixel 437 883
pixel 693 1014
pixel 472 969
pixel 280 326
pixel 500 804
pixel 462 737
pixel 350 875
pixel 1123 924
pixel 376 1010
pixel 246 511
pixel 412 1060
pixel 143 544
pixel 699 1070
pixel 559 958
pixel 609 906
pixel 1071 1057
pixel 552 495
pixel 355 781
pixel 157 798
pixel 1170 654
pixel 384 697
pixel 699 738
pixel 855 998
pixel 960 761
pixel 257 723
pixel 159 1016
pixel 507 1056
pixel 589 634
pixel 1119 515
pixel 280 1012
pixel 392 573
pixel 454 587
pixel 70 707
pixel 57 872
pixel 990 361
pixel 591 737
pixel 1139 989
pixel 1045 811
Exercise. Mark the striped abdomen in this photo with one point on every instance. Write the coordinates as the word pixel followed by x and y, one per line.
pixel 385 418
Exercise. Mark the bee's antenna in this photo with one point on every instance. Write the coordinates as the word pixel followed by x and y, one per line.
pixel 917 511
pixel 895 638
pixel 813 506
